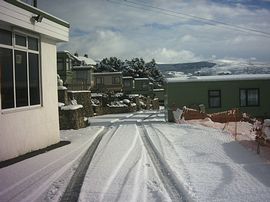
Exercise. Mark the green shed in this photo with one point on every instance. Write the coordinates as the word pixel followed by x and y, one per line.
pixel 143 86
pixel 249 93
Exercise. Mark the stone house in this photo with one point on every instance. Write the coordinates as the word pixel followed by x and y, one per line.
pixel 107 82
pixel 75 71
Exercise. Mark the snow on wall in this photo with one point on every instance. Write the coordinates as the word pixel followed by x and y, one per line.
pixel 25 130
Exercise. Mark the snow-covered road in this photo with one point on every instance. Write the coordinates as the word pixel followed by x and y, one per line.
pixel 142 158
pixel 122 169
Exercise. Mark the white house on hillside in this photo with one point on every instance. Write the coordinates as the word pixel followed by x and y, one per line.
pixel 28 78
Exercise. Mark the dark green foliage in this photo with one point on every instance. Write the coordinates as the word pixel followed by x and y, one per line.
pixel 137 68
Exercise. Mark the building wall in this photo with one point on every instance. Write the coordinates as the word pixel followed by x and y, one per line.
pixel 25 130
pixel 107 82
pixel 179 94
pixel 20 16
pixel 128 88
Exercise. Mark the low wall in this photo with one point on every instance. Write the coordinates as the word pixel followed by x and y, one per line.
pixel 83 98
pixel 99 110
pixel 72 119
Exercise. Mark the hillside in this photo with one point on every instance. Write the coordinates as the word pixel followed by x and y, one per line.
pixel 185 67
pixel 214 68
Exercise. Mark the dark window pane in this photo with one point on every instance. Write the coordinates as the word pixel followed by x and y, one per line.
pixel 99 80
pixel 20 40
pixel 127 83
pixel 5 37
pixel 243 98
pixel 34 79
pixel 116 80
pixel 214 97
pixel 60 64
pixel 214 102
pixel 21 79
pixel 6 73
pixel 253 97
pixel 33 43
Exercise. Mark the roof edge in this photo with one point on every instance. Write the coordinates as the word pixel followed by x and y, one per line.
pixel 37 11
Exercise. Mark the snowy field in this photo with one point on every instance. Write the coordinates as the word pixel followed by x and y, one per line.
pixel 143 158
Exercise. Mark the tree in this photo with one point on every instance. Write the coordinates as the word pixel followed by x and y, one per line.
pixel 137 68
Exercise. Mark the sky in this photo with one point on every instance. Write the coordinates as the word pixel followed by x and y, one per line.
pixel 170 31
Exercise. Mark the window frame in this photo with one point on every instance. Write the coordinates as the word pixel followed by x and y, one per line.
pixel 215 96
pixel 116 78
pixel 101 81
pixel 14 47
pixel 246 97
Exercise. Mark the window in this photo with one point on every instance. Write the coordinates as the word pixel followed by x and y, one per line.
pixel 145 85
pixel 116 80
pixel 214 98
pixel 127 83
pixel 5 37
pixel 60 64
pixel 7 84
pixel 33 43
pixel 249 97
pixel 19 70
pixel 99 80
pixel 20 40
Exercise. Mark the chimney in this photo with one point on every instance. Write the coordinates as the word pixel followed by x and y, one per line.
pixel 35 3
pixel 76 54
pixel 85 55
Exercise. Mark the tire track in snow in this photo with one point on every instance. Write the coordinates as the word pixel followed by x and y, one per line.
pixel 174 188
pixel 118 168
pixel 127 177
pixel 186 172
pixel 137 184
pixel 72 191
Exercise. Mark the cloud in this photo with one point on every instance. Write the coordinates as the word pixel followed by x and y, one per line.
pixel 164 55
pixel 102 28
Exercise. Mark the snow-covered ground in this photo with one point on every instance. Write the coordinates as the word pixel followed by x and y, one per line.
pixel 143 158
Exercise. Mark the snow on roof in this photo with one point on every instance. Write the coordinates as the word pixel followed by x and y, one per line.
pixel 139 79
pixel 238 77
pixel 158 89
pixel 71 107
pixel 127 77
pixel 96 94
pixel 88 61
pixel 79 91
pixel 83 67
pixel 107 73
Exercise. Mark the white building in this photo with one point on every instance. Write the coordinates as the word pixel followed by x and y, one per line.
pixel 28 78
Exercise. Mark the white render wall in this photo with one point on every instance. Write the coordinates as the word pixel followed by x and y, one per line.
pixel 22 131
pixel 21 18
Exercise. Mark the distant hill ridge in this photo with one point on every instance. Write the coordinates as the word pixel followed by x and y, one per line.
pixel 185 67
pixel 216 67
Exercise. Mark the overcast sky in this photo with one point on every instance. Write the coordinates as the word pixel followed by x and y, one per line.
pixel 157 29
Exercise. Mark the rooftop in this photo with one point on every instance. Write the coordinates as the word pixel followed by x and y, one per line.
pixel 87 61
pixel 37 11
pixel 239 77
pixel 108 73
pixel 143 79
